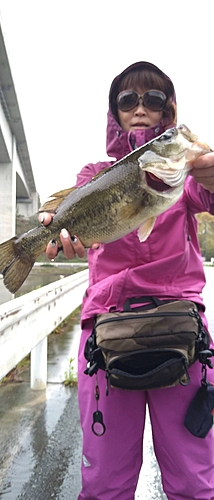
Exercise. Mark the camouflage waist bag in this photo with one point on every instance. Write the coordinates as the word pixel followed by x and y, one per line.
pixel 147 348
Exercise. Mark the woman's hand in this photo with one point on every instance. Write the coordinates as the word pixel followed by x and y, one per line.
pixel 203 171
pixel 71 245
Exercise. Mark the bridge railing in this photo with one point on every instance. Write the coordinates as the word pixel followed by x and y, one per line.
pixel 26 322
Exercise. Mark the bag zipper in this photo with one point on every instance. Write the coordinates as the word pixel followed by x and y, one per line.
pixel 192 313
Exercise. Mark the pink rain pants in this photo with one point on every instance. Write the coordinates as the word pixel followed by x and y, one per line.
pixel 111 463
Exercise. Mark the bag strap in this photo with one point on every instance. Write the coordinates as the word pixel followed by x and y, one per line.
pixel 150 301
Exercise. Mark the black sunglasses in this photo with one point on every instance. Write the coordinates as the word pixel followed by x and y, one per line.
pixel 152 99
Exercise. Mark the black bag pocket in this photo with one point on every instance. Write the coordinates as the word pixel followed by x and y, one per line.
pixel 148 370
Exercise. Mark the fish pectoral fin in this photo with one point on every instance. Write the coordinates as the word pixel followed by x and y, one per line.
pixel 145 229
pixel 55 200
pixel 130 210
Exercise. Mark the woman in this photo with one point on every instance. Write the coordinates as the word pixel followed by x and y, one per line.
pixel 167 265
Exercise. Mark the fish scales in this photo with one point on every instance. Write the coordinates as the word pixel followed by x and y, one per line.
pixel 104 211
pixel 126 196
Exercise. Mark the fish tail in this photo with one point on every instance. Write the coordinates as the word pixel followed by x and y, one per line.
pixel 14 266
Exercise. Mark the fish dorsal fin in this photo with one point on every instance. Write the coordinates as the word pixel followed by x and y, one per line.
pixel 55 200
pixel 145 229
pixel 99 174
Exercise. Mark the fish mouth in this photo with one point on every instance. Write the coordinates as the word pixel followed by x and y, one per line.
pixel 156 183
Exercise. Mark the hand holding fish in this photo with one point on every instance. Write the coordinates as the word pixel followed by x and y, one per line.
pixel 203 171
pixel 71 244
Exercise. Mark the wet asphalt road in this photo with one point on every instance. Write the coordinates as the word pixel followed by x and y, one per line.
pixel 40 436
pixel 40 457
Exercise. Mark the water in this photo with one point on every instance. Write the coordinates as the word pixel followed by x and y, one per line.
pixel 42 275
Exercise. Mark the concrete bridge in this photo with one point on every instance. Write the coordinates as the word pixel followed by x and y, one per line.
pixel 17 186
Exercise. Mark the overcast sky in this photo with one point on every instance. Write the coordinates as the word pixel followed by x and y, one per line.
pixel 64 54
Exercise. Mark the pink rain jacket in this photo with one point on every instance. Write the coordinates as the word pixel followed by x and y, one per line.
pixel 168 265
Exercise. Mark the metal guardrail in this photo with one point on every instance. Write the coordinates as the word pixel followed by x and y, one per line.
pixel 26 322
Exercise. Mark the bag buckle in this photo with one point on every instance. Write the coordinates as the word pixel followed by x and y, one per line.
pixel 204 356
pixel 91 369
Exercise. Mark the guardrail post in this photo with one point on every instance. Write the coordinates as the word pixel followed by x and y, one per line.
pixel 38 378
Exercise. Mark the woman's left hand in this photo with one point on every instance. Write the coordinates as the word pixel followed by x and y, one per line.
pixel 203 171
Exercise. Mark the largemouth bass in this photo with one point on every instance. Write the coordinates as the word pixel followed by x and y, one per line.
pixel 126 196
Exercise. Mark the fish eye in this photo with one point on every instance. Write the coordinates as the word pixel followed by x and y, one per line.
pixel 169 133
pixel 184 128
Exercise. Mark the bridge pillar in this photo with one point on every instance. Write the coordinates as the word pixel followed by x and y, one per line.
pixel 7 201
pixel 28 206
pixel 7 211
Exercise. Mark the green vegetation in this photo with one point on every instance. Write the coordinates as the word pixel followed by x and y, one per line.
pixel 206 235
pixel 15 375
pixel 68 323
pixel 70 375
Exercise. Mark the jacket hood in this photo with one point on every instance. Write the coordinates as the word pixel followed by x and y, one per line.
pixel 119 142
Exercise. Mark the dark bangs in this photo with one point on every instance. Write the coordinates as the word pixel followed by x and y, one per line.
pixel 147 80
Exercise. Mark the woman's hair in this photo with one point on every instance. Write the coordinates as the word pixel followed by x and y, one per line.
pixel 146 80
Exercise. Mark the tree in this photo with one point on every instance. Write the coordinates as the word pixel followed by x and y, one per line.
pixel 206 234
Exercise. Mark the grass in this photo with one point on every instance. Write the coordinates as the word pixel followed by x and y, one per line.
pixel 70 375
pixel 15 374
pixel 70 378
pixel 68 323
